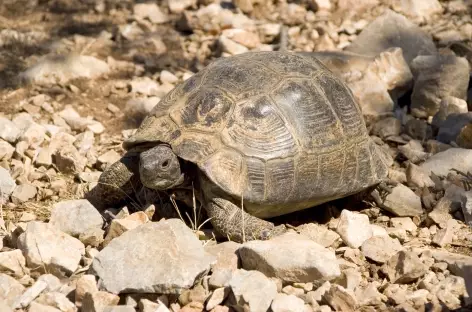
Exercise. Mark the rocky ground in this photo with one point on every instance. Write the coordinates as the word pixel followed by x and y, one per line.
pixel 77 77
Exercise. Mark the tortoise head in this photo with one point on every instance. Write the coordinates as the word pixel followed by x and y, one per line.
pixel 159 168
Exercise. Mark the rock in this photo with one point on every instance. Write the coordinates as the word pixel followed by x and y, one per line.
pixel 57 300
pixel 341 299
pixel 437 77
pixel 420 11
pixel 451 127
pixel 393 30
pixel 92 237
pixel 220 277
pixel 387 127
pixel 146 305
pixel 10 289
pixel 34 135
pixel 61 69
pixel 38 307
pixel 252 291
pixel 229 46
pixel 144 85
pixel 45 247
pixel 457 264
pixel 75 217
pixel 23 193
pixel 444 236
pixel 118 308
pixel 69 160
pixel 98 301
pixel 350 278
pixel 319 234
pixel 217 297
pixel 287 303
pixel 370 295
pixel 30 294
pixel 403 202
pixel 13 262
pixel 447 106
pixel 6 150
pixel 246 38
pixel 196 294
pixel 404 223
pixel 53 283
pixel 178 6
pixel 7 184
pixel 85 284
pixel 153 265
pixel 9 131
pixel 466 205
pixel 168 77
pixel 290 257
pixel 443 162
pixel 139 107
pixel 109 158
pixel 4 307
pixel 441 212
pixel 120 226
pixel 226 255
pixel 380 248
pixel 150 11
pixel 354 228
pixel 413 150
pixel 418 177
pixel 404 267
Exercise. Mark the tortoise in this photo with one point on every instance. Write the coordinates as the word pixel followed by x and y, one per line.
pixel 275 131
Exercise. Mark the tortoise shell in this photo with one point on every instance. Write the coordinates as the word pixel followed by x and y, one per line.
pixel 277 128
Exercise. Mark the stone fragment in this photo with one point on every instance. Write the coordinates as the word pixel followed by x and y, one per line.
pixel 98 301
pixel 387 127
pixel 217 297
pixel 75 217
pixel 7 185
pixel 45 247
pixel 287 303
pixel 150 11
pixel 319 234
pixel 38 307
pixel 10 289
pixel 403 202
pixel 226 255
pixel 85 284
pixel 13 262
pixel 444 236
pixel 30 294
pixel 380 248
pixel 120 226
pixel 404 223
pixel 6 150
pixel 443 162
pixel 420 11
pixel 9 131
pixel 404 267
pixel 290 257
pixel 252 291
pixel 23 193
pixel 341 299
pixel 154 264
pixel 350 278
pixel 53 283
pixel 354 228
pixel 229 46
pixel 418 177
pixel 370 295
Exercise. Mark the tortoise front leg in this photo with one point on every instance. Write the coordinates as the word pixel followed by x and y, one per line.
pixel 227 219
pixel 117 184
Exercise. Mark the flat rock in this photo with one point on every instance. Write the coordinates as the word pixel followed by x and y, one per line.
pixel 30 294
pixel 393 30
pixel 75 217
pixel 290 257
pixel 166 258
pixel 287 303
pixel 44 246
pixel 61 69
pixel 38 307
pixel 380 248
pixel 443 162
pixel 252 291
pixel 404 267
pixel 403 202
pixel 23 193
pixel 354 228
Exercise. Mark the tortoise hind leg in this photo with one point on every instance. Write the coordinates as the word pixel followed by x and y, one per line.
pixel 227 219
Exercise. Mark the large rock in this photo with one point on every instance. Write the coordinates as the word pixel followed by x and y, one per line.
pixel 164 257
pixel 290 257
pixel 251 291
pixel 46 247
pixel 443 162
pixel 75 217
pixel 393 30
pixel 437 77
pixel 61 69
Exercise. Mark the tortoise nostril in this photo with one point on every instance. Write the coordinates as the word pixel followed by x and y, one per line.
pixel 165 164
